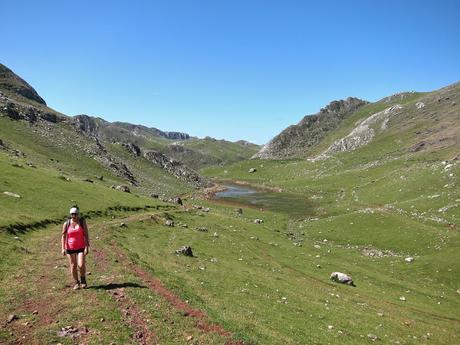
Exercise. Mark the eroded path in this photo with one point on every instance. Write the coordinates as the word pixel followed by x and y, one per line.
pixel 124 303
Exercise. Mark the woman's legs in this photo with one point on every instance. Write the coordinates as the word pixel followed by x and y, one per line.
pixel 73 266
pixel 82 267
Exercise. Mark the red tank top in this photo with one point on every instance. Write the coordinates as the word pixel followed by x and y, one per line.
pixel 75 237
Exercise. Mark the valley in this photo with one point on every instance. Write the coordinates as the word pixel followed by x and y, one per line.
pixel 373 196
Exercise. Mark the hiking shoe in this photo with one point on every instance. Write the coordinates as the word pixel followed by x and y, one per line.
pixel 76 286
pixel 83 284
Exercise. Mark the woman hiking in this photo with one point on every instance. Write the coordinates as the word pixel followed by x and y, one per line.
pixel 75 243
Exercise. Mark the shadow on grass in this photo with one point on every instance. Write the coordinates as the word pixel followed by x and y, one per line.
pixel 113 286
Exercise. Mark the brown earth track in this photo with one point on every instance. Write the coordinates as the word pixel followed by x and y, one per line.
pixel 157 287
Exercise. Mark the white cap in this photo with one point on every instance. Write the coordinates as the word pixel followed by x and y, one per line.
pixel 73 210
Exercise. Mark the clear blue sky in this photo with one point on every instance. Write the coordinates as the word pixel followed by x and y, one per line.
pixel 226 68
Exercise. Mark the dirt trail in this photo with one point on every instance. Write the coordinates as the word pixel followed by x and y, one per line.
pixel 41 302
pixel 157 287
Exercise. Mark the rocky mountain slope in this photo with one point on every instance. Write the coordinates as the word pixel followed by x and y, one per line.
pixel 133 154
pixel 296 139
pixel 422 121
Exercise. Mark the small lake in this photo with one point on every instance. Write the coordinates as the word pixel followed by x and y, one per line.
pixel 292 204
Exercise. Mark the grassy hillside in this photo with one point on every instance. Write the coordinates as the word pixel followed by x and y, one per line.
pixel 361 212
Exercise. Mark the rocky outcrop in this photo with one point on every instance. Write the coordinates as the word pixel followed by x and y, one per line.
pixel 175 135
pixel 363 133
pixel 176 168
pixel 295 140
pixel 11 82
pixel 89 125
pixel 132 148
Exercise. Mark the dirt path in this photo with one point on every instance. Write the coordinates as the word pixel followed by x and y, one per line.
pixel 44 302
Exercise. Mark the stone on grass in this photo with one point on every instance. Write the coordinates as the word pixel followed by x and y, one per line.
pixel 14 195
pixel 252 170
pixel 202 229
pixel 372 337
pixel 343 278
pixel 409 259
pixel 123 188
pixel 185 250
pixel 239 210
pixel 258 221
pixel 169 222
pixel 11 318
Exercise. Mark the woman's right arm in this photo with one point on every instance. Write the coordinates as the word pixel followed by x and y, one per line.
pixel 63 237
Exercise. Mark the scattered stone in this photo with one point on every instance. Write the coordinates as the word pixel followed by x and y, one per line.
pixel 343 278
pixel 215 234
pixel 102 319
pixel 100 178
pixel 202 229
pixel 123 188
pixel 239 210
pixel 318 266
pixel 330 327
pixel 169 222
pixel 11 318
pixel 190 338
pixel 317 246
pixel 72 332
pixel 252 170
pixel 402 298
pixel 88 180
pixel 155 196
pixel 123 225
pixel 12 194
pixel 35 312
pixel 206 209
pixel 258 221
pixel 177 200
pixel 372 337
pixel 409 259
pixel 419 105
pixel 185 250
pixel 381 314
pixel 30 164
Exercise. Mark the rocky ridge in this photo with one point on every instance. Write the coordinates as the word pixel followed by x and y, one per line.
pixel 14 84
pixel 296 139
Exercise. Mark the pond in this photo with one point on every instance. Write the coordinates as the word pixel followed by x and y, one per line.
pixel 292 204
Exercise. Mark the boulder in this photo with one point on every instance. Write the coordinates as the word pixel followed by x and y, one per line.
pixel 258 221
pixel 343 278
pixel 123 189
pixel 252 170
pixel 185 250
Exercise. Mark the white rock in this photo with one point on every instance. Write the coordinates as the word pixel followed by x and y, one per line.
pixel 409 259
pixel 419 105
pixel 12 194
pixel 402 298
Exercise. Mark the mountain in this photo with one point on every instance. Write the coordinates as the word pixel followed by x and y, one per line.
pixel 148 159
pixel 296 139
pixel 416 121
pixel 15 86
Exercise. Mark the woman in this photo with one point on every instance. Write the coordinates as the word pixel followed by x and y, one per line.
pixel 75 243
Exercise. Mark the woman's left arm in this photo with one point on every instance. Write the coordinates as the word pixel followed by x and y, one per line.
pixel 85 229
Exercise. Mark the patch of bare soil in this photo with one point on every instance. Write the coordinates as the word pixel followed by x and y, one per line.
pixel 157 287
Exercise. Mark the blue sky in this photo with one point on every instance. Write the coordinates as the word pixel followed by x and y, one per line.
pixel 227 69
